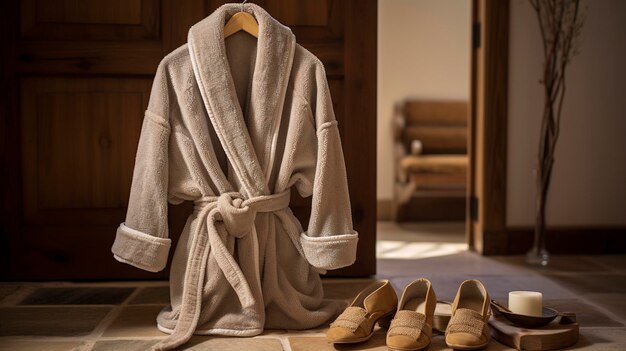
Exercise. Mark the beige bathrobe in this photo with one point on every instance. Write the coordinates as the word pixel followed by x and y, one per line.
pixel 233 124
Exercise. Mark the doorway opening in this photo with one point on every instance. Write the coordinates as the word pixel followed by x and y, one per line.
pixel 424 121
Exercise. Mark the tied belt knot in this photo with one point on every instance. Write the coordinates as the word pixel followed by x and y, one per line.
pixel 237 213
pixel 219 216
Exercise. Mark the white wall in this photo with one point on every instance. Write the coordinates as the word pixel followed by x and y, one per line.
pixel 589 179
pixel 423 52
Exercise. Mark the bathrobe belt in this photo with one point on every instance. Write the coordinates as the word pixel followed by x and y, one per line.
pixel 237 215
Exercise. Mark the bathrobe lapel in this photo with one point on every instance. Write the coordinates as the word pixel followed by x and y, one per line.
pixel 249 147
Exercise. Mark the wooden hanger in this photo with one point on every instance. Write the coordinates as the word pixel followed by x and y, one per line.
pixel 241 21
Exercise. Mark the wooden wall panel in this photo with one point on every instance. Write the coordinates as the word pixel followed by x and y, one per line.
pixel 300 13
pixel 82 73
pixel 77 135
pixel 320 21
pixel 89 11
pixel 68 20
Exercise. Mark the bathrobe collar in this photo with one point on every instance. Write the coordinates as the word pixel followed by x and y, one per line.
pixel 249 147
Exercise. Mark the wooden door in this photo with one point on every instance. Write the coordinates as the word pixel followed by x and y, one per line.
pixel 77 78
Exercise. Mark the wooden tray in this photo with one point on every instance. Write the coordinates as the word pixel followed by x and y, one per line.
pixel 553 336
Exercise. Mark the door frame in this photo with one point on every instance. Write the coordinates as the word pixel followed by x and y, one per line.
pixel 487 230
pixel 360 84
pixel 486 216
pixel 9 135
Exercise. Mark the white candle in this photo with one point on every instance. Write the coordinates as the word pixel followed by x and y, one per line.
pixel 526 302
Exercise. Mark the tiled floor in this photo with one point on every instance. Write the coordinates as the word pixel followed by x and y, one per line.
pixel 121 315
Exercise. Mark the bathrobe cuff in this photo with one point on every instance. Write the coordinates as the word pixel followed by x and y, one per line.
pixel 141 250
pixel 330 252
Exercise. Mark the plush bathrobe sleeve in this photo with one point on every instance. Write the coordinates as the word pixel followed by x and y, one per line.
pixel 329 242
pixel 142 240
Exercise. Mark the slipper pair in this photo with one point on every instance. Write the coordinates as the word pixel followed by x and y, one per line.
pixel 410 321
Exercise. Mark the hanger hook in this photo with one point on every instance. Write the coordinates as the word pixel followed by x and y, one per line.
pixel 243 3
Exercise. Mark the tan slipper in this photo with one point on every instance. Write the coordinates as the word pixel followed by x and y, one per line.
pixel 411 328
pixel 375 304
pixel 468 328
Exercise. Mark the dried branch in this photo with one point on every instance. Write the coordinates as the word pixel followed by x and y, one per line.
pixel 560 24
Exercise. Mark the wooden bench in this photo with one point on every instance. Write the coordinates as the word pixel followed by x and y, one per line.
pixel 430 152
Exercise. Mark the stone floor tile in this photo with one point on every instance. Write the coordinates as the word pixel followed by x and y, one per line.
pixel 593 283
pixel 197 343
pixel 344 289
pixel 17 295
pixel 7 289
pixel 439 232
pixel 125 345
pixel 50 321
pixel 615 303
pixel 77 296
pixel 392 249
pixel 601 339
pixel 135 321
pixel 586 314
pixel 319 343
pixel 208 343
pixel 611 262
pixel 462 263
pixel 558 263
pixel 438 343
pixel 159 295
pixel 37 345
pixel 273 332
pixel 376 343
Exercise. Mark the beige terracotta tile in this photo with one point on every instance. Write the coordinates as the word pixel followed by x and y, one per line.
pixel 207 343
pixel 616 303
pixel 270 332
pixel 464 263
pixel 35 345
pixel 612 262
pixel 438 343
pixel 593 283
pixel 197 343
pixel 440 232
pixel 17 295
pixel 558 263
pixel 586 314
pixel 135 321
pixel 319 343
pixel 376 343
pixel 50 321
pixel 601 339
pixel 7 289
pixel 152 295
pixel 125 345
pixel 77 296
